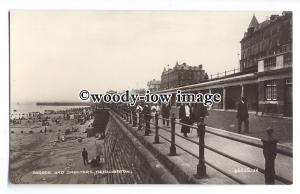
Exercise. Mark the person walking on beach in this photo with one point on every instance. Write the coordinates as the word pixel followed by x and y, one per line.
pixel 85 156
pixel 243 115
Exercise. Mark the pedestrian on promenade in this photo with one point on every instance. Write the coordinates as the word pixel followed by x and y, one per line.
pixel 147 117
pixel 165 112
pixel 243 115
pixel 199 112
pixel 85 156
pixel 185 116
pixel 139 110
pixel 154 110
pixel 134 116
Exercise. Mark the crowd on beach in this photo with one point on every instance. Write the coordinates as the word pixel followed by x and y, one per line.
pixel 33 120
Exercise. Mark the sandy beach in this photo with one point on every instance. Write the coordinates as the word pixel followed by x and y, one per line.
pixel 38 157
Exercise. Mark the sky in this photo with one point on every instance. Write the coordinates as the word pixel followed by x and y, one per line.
pixel 56 54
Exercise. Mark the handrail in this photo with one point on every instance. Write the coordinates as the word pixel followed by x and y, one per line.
pixel 269 177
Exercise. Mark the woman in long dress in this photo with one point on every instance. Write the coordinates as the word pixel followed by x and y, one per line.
pixel 185 116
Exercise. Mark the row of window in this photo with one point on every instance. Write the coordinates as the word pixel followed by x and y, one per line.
pixel 263 35
pixel 270 62
pixel 287 59
pixel 271 90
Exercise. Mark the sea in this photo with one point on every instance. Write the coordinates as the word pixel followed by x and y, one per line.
pixel 27 107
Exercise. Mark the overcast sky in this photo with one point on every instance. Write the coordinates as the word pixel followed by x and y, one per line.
pixel 55 54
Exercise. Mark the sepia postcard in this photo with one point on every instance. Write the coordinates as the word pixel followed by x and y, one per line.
pixel 151 97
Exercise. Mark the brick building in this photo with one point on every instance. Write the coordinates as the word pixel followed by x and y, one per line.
pixel 265 40
pixel 181 75
pixel 153 85
pixel 266 74
pixel 266 48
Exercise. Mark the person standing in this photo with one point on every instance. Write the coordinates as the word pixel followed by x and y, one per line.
pixel 185 116
pixel 147 117
pixel 85 156
pixel 243 115
pixel 134 116
pixel 165 111
pixel 139 110
pixel 200 112
pixel 153 112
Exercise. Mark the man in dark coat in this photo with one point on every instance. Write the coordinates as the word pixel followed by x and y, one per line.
pixel 147 117
pixel 84 154
pixel 185 116
pixel 165 112
pixel 242 114
pixel 199 113
pixel 134 116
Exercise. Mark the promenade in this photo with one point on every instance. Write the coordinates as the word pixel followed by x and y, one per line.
pixel 226 120
pixel 187 163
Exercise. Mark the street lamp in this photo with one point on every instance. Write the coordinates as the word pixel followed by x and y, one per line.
pixel 238 56
pixel 168 76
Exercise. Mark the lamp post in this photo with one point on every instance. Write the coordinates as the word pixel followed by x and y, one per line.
pixel 238 57
pixel 168 76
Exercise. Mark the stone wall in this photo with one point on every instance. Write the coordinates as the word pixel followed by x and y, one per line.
pixel 123 151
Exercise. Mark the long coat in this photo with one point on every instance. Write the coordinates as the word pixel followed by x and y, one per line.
pixel 184 119
pixel 147 113
pixel 165 110
pixel 199 110
pixel 242 111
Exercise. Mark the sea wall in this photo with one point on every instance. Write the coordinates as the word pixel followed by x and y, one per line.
pixel 133 163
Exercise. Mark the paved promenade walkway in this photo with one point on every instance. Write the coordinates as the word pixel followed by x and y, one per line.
pixel 283 127
pixel 250 154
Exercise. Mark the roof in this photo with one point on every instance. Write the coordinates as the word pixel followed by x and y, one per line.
pixel 254 23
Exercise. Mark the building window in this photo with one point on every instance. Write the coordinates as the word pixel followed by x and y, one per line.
pixel 287 59
pixel 270 62
pixel 271 90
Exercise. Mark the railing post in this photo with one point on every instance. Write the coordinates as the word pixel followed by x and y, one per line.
pixel 201 168
pixel 156 138
pixel 130 115
pixel 147 119
pixel 134 118
pixel 139 124
pixel 173 147
pixel 269 151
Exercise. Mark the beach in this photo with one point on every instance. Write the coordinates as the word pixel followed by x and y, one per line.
pixel 50 153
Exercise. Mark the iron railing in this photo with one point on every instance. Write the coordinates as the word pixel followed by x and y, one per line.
pixel 268 146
